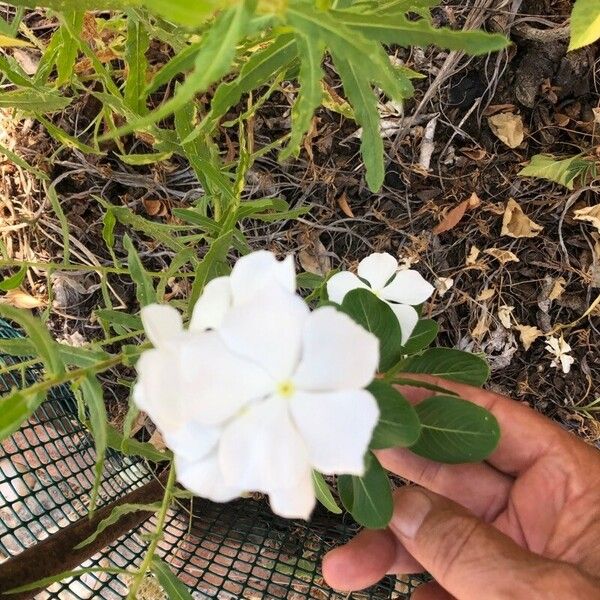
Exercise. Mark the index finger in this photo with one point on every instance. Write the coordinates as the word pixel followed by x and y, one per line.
pixel 525 435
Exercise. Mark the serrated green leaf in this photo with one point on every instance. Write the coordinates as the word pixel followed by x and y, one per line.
pixel 449 363
pixel 398 423
pixel 44 345
pixel 377 317
pixel 115 515
pixel 323 493
pixel 423 334
pixel 13 281
pixel 585 23
pixel 564 171
pixel 455 431
pixel 171 584
pixel 144 289
pixel 34 100
pixel 136 46
pixel 310 94
pixel 368 498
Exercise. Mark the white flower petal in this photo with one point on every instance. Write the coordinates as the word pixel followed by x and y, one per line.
pixel 205 479
pixel 407 317
pixel 262 451
pixel 377 269
pixel 157 390
pixel 408 287
pixel 258 270
pixel 342 283
pixel 297 502
pixel 192 441
pixel 337 353
pixel 337 428
pixel 161 323
pixel 268 330
pixel 216 383
pixel 212 306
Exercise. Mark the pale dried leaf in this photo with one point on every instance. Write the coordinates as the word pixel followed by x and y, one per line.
pixel 528 334
pixel 342 202
pixel 517 224
pixel 591 214
pixel 504 315
pixel 502 256
pixel 20 299
pixel 508 128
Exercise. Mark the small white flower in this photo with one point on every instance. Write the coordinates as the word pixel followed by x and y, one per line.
pixel 560 350
pixel 400 289
pixel 258 403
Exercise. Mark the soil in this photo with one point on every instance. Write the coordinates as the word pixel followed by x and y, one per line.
pixel 554 280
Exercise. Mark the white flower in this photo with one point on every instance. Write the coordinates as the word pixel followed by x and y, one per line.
pixel 560 350
pixel 258 403
pixel 400 289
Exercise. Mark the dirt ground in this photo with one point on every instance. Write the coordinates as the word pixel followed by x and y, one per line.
pixel 488 284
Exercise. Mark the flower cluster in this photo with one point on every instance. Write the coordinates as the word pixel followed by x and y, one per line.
pixel 259 391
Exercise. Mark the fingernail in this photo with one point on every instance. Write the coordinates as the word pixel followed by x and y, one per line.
pixel 412 506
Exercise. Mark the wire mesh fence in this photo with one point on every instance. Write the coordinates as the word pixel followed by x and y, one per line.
pixel 225 551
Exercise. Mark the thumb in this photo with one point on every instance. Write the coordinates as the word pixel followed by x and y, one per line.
pixel 471 559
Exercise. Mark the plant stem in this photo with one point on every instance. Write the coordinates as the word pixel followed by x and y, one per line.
pixel 162 515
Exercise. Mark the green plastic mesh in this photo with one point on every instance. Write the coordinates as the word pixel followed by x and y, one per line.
pixel 224 551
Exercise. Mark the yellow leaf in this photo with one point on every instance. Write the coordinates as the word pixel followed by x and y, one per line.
pixel 528 335
pixel 503 256
pixel 10 42
pixel 517 224
pixel 508 128
pixel 20 299
pixel 590 214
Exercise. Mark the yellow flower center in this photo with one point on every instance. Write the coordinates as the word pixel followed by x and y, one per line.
pixel 286 389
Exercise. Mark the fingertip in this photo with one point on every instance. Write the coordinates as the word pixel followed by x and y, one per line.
pixel 360 563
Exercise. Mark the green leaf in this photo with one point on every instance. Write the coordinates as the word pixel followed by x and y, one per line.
pixel 397 29
pixel 69 47
pixel 398 422
pixel 564 171
pixel 449 363
pixel 115 515
pixel 34 100
pixel 15 409
pixel 423 334
pixel 323 493
pixel 171 584
pixel 310 94
pixel 368 498
pixel 585 23
pixel 455 431
pixel 133 447
pixel 377 317
pixel 136 46
pixel 45 346
pixel 13 281
pixel 144 290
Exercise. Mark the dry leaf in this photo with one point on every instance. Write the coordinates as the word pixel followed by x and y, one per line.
pixel 20 299
pixel 486 294
pixel 558 287
pixel 343 204
pixel 504 315
pixel 508 128
pixel 528 334
pixel 454 216
pixel 503 256
pixel 443 284
pixel 474 253
pixel 516 223
pixel 590 214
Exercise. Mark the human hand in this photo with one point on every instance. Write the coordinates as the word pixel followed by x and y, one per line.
pixel 523 525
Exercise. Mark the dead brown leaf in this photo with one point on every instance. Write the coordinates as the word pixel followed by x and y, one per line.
pixel 455 215
pixel 528 334
pixel 516 223
pixel 342 202
pixel 20 299
pixel 591 214
pixel 508 128
pixel 502 256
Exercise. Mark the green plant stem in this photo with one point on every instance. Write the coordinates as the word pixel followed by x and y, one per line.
pixel 162 515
